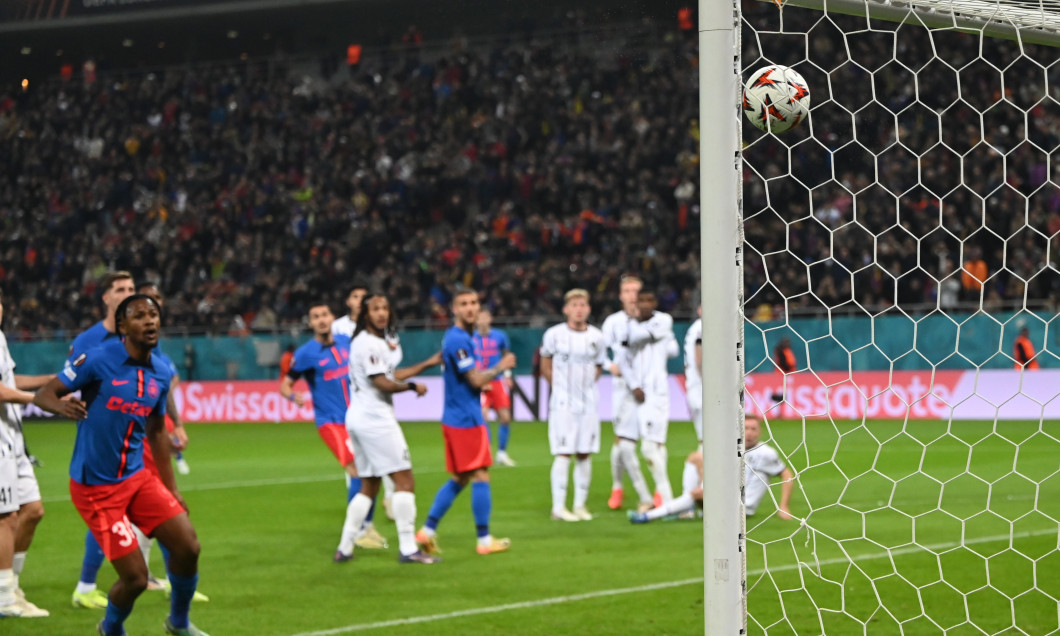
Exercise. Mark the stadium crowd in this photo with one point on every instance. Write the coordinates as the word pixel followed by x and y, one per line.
pixel 522 168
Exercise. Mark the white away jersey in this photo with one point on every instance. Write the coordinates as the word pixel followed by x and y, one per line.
pixel 616 330
pixel 575 357
pixel 370 355
pixel 343 326
pixel 762 462
pixel 648 346
pixel 694 335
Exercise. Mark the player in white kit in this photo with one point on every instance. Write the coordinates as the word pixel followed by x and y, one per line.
pixel 572 358
pixel 650 343
pixel 762 464
pixel 346 325
pixel 20 502
pixel 623 406
pixel 693 370
pixel 379 445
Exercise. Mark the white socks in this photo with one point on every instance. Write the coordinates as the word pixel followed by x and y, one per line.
pixel 616 467
pixel 683 503
pixel 7 587
pixel 356 511
pixel 560 478
pixel 655 454
pixel 388 490
pixel 403 503
pixel 632 465
pixel 583 474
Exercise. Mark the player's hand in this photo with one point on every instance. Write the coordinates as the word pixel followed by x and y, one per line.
pixel 784 513
pixel 638 395
pixel 72 408
pixel 434 360
pixel 298 399
pixel 179 438
pixel 421 389
pixel 616 370
pixel 507 361
pixel 509 382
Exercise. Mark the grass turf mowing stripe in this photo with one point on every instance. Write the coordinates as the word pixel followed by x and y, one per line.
pixel 573 598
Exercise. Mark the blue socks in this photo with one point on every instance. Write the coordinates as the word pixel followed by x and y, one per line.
pixel 180 598
pixel 93 560
pixel 165 555
pixel 442 502
pixel 353 486
pixel 503 431
pixel 481 504
pixel 114 621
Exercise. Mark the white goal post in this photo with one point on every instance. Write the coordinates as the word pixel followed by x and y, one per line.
pixel 930 501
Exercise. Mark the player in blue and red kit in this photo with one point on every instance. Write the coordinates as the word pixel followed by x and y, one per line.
pixel 124 389
pixel 467 445
pixel 114 287
pixel 490 345
pixel 324 363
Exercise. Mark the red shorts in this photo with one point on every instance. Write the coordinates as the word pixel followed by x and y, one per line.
pixel 497 397
pixel 111 509
pixel 466 449
pixel 338 440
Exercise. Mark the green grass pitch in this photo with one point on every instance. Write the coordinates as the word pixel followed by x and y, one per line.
pixel 878 554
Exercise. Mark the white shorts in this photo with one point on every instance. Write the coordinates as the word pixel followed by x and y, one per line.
pixel 18 483
pixel 690 478
pixel 624 413
pixel 379 448
pixel 654 418
pixel 573 433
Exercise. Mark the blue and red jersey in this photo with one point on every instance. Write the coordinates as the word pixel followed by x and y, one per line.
pixel 462 408
pixel 121 394
pixel 89 339
pixel 490 348
pixel 326 370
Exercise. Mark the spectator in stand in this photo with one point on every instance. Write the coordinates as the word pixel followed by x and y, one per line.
pixel 1023 351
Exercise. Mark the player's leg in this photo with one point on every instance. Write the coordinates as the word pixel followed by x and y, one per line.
pixel 86 594
pixel 614 502
pixel 356 512
pixel 388 495
pixel 502 403
pixel 30 514
pixel 654 426
pixel 588 445
pixel 482 509
pixel 691 494
pixel 697 423
pixel 656 456
pixel 561 440
pixel 8 526
pixel 153 511
pixel 447 493
pixel 405 519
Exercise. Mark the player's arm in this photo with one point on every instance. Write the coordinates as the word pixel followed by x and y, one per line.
pixel 50 398
pixel 159 441
pixel 287 388
pixel 786 486
pixel 699 356
pixel 418 368
pixel 639 334
pixel 32 382
pixel 386 385
pixel 479 378
pixel 633 382
pixel 546 368
pixel 179 432
pixel 15 396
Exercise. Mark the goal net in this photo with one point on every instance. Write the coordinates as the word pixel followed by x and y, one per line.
pixel 904 241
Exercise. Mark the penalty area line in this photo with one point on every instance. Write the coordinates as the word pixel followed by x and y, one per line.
pixel 574 598
pixel 556 600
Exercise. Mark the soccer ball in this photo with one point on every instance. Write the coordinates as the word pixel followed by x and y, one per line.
pixel 776 98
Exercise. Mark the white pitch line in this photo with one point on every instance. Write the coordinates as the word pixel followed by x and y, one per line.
pixel 573 598
pixel 282 481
